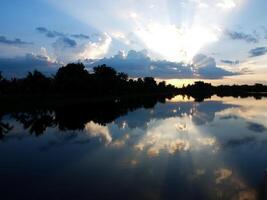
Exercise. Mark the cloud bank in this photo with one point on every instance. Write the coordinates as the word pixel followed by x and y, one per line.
pixel 19 66
pixel 138 63
pixel 135 63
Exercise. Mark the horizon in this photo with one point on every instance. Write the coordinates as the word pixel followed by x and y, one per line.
pixel 178 83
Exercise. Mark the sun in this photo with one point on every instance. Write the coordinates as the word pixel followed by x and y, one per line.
pixel 176 43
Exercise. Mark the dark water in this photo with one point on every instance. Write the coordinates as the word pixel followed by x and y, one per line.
pixel 180 149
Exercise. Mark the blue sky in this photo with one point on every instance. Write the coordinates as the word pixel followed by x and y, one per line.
pixel 222 40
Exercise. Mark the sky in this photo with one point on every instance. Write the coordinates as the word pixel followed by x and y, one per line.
pixel 221 41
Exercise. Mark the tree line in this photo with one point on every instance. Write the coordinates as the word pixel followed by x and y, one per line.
pixel 201 90
pixel 75 79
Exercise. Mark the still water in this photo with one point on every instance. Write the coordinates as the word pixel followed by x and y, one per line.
pixel 179 149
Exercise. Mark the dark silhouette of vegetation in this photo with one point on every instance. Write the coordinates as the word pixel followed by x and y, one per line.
pixel 75 80
pixel 36 121
pixel 200 91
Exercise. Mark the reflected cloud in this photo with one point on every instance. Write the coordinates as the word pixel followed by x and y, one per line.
pixel 255 127
pixel 246 195
pixel 96 130
pixel 178 145
pixel 230 186
pixel 199 113
pixel 118 143
pixel 207 141
pixel 237 142
pixel 181 98
pixel 229 117
pixel 164 136
pixel 199 172
pixel 222 174
pixel 205 112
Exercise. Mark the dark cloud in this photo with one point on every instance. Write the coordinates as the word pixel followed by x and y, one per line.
pixel 138 64
pixel 214 72
pixel 250 38
pixel 246 70
pixel 54 34
pixel 19 66
pixel 259 51
pixel 207 111
pixel 64 42
pixel 68 42
pixel 80 36
pixel 42 29
pixel 230 62
pixel 205 67
pixel 255 127
pixel 16 41
pixel 49 33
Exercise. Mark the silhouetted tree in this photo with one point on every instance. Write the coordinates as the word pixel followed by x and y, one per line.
pixel 150 84
pixel 72 78
pixel 105 72
pixel 36 82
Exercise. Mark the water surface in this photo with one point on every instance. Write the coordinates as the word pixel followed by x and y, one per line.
pixel 179 149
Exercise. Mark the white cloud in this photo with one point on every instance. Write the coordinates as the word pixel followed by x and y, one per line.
pixel 44 52
pixel 226 4
pixel 121 36
pixel 222 4
pixel 95 50
pixel 69 50
pixel 134 15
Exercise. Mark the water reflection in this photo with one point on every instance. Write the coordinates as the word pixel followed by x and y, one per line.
pixel 158 150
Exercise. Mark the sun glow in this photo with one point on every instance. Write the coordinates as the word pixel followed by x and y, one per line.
pixel 178 33
pixel 174 43
pixel 181 42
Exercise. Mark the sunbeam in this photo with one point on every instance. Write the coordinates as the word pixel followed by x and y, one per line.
pixel 156 25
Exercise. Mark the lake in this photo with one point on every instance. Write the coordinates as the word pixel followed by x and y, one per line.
pixel 171 149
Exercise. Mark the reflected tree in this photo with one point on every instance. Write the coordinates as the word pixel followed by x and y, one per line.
pixel 36 121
